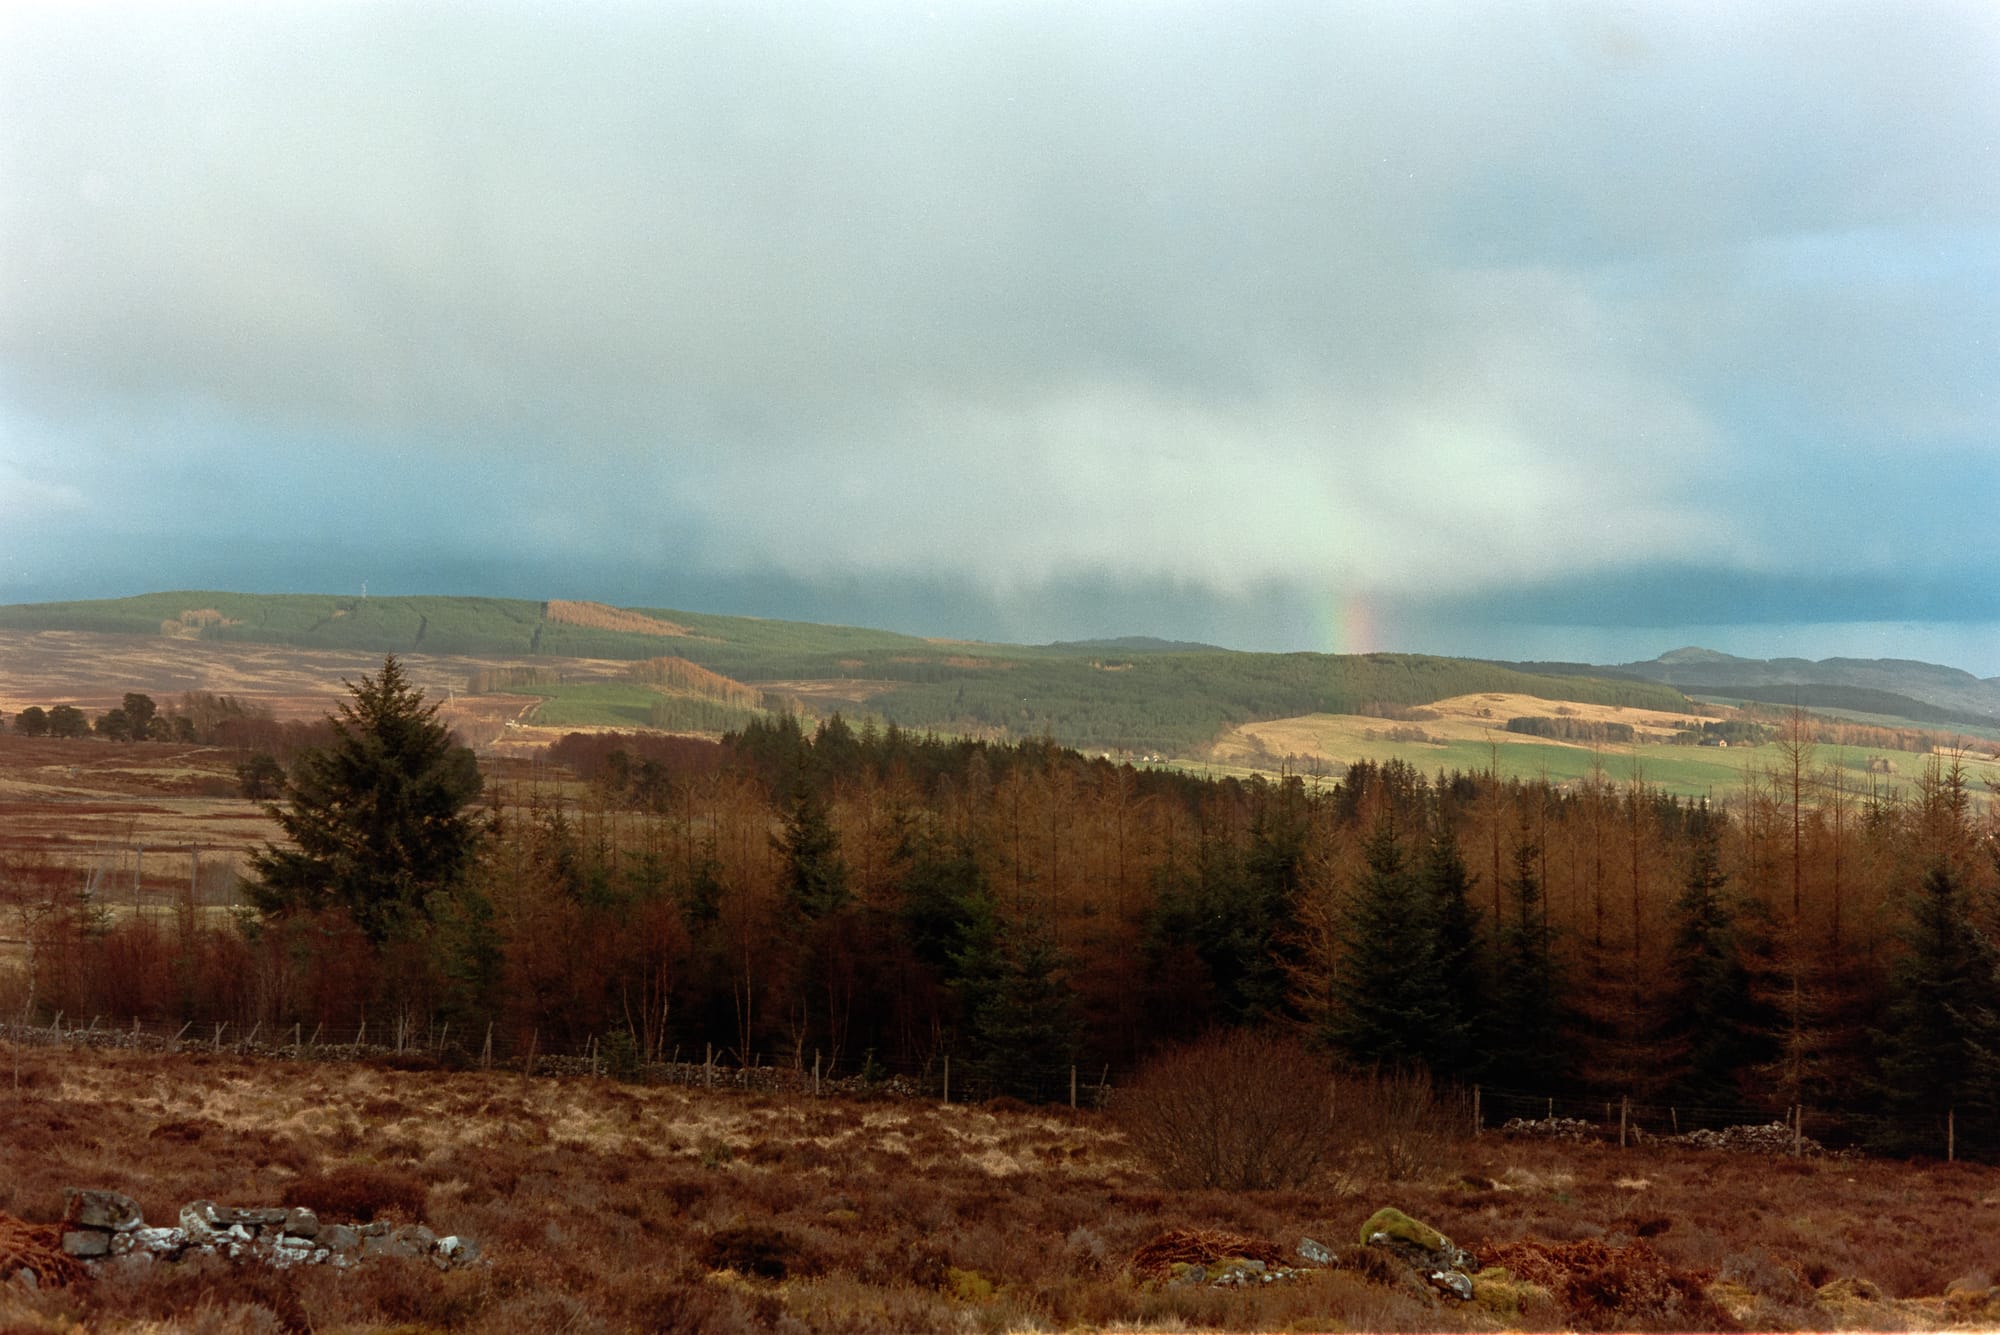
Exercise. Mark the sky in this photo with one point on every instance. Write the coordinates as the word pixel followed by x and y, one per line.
pixel 1520 330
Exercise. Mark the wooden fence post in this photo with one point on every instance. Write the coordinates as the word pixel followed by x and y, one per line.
pixel 1476 1123
pixel 1950 1135
pixel 947 1077
pixel 1624 1112
pixel 708 1068
pixel 1072 1087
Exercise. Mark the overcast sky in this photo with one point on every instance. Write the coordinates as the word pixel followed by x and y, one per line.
pixel 1523 330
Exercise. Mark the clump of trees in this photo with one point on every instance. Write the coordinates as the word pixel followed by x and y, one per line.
pixel 199 717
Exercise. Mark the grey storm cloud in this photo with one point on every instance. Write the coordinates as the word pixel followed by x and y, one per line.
pixel 1381 297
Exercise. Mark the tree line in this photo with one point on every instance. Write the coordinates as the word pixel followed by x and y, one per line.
pixel 874 895
pixel 198 717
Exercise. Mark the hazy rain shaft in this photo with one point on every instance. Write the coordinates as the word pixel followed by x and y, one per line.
pixel 1208 321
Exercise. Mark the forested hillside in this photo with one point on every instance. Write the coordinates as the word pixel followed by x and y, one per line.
pixel 1129 697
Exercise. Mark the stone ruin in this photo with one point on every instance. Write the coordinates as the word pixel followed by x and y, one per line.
pixel 101 1226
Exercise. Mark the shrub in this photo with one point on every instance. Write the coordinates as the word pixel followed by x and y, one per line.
pixel 1245 1111
pixel 1250 1111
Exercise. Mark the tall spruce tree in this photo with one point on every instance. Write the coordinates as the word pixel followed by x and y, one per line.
pixel 1712 1027
pixel 1941 1036
pixel 1526 1049
pixel 1456 1044
pixel 1387 991
pixel 379 819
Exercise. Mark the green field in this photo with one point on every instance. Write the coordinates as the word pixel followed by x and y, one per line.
pixel 592 704
pixel 1686 771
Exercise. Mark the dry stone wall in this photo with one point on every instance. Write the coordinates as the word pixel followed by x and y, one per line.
pixel 100 1226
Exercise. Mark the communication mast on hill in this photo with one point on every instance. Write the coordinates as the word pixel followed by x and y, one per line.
pixel 364 590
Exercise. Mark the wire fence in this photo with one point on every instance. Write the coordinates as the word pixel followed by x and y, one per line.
pixel 942 1075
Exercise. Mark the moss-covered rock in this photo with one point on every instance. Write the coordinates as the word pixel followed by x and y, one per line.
pixel 1399 1227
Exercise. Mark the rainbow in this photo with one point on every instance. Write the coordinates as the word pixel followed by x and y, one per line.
pixel 1352 624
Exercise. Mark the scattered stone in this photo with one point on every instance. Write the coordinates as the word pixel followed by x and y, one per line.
pixel 1774 1138
pixel 1313 1253
pixel 301 1223
pixel 84 1243
pixel 94 1208
pixel 454 1250
pixel 1553 1128
pixel 198 1221
pixel 1210 1257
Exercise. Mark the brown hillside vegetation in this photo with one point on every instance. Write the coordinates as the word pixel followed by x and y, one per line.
pixel 612 1207
pixel 599 616
pixel 684 678
pixel 93 671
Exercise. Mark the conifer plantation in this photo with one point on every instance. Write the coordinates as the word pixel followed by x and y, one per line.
pixel 870 901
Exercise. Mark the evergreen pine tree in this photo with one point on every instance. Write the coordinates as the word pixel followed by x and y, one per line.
pixel 1388 997
pixel 1456 1047
pixel 815 877
pixel 1026 1034
pixel 1940 1033
pixel 1526 1049
pixel 1711 1022
pixel 378 820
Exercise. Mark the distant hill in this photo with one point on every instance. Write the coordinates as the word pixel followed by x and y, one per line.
pixel 1924 692
pixel 1133 696
pixel 1139 644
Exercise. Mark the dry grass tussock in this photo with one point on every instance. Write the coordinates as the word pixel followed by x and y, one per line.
pixel 605 1207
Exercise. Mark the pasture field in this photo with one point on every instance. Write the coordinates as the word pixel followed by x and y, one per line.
pixel 591 704
pixel 1468 734
pixel 609 1207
